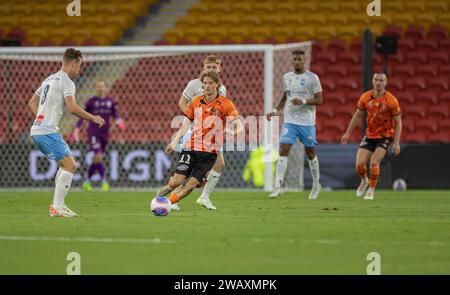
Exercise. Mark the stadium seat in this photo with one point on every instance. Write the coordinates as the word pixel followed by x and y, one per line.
pixel 336 71
pixel 414 112
pixel 416 84
pixel 404 71
pixel 304 6
pixel 444 126
pixel 427 70
pixel 406 44
pixel 328 84
pixel 406 96
pixel 318 68
pixel 439 83
pixel 327 56
pixel 345 112
pixel 416 57
pixel 444 44
pixel 439 111
pixel 438 137
pixel 427 44
pixel 393 31
pixel 337 45
pixel 347 84
pixel 437 32
pixel 444 70
pixel 438 57
pixel 333 126
pixel 393 7
pixel 415 138
pixel 285 7
pixel 426 126
pixel 395 83
pixel 437 6
pixel 334 98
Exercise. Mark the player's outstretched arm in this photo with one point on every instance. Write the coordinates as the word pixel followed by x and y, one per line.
pixel 397 135
pixel 75 109
pixel 183 103
pixel 355 119
pixel 181 132
pixel 33 104
pixel 278 108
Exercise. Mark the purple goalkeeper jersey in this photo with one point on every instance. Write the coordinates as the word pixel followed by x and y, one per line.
pixel 104 107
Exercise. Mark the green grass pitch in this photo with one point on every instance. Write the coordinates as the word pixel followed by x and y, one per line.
pixel 249 234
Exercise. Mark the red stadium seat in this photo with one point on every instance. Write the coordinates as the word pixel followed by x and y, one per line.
pixel 347 84
pixel 405 96
pixel 356 44
pixel 323 137
pixel 414 112
pixel 426 126
pixel 355 70
pixel 439 111
pixel 335 97
pixel 427 70
pixel 438 137
pixel 415 32
pixel 438 57
pixel 417 83
pixel 444 70
pixel 440 83
pixel 445 44
pixel 333 126
pixel 437 32
pixel 328 83
pixel 318 46
pixel 414 137
pixel 427 97
pixel 444 126
pixel 404 71
pixel 406 44
pixel 444 97
pixel 325 56
pixel 350 57
pixel 318 68
pixel 336 71
pixel 396 84
pixel 399 57
pixel 16 33
pixel 393 31
pixel 337 45
pixel 345 112
pixel 428 44
pixel 416 57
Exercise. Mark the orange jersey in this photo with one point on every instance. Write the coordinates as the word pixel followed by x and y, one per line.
pixel 209 122
pixel 380 114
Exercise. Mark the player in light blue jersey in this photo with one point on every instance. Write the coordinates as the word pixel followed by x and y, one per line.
pixel 302 92
pixel 192 90
pixel 47 105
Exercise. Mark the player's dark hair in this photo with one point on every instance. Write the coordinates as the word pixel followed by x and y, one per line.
pixel 298 51
pixel 72 54
pixel 213 59
pixel 211 74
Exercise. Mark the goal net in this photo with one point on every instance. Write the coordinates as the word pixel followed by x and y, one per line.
pixel 146 83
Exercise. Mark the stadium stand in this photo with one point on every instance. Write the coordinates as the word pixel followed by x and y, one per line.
pixel 33 22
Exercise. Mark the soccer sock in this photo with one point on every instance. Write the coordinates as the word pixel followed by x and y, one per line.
pixel 57 175
pixel 101 170
pixel 314 168
pixel 281 170
pixel 374 174
pixel 174 198
pixel 91 171
pixel 362 171
pixel 62 188
pixel 212 180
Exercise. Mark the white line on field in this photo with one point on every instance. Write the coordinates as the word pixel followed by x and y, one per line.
pixel 87 239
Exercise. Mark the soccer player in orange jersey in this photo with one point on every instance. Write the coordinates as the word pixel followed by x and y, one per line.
pixel 209 112
pixel 384 126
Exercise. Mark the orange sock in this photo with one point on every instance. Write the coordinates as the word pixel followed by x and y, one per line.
pixel 361 170
pixel 374 174
pixel 174 198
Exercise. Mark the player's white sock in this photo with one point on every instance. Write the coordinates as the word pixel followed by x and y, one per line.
pixel 212 180
pixel 62 188
pixel 314 168
pixel 281 170
pixel 57 175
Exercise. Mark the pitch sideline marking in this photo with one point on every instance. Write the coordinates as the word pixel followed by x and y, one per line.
pixel 87 239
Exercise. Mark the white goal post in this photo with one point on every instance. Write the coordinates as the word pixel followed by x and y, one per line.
pixel 259 66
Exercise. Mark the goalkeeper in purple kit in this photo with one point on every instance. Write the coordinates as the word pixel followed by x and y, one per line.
pixel 103 105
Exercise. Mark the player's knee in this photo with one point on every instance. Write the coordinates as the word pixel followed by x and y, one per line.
pixel 284 150
pixel 218 166
pixel 310 153
pixel 71 167
pixel 98 158
pixel 374 162
pixel 173 183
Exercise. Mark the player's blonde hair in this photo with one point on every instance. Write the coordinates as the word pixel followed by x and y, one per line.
pixel 212 59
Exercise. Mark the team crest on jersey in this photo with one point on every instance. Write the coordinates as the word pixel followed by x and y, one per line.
pixel 108 104
pixel 302 81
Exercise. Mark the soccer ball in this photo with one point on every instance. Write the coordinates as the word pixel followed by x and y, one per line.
pixel 160 206
pixel 399 185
